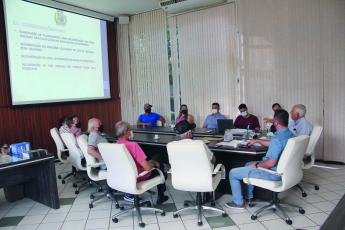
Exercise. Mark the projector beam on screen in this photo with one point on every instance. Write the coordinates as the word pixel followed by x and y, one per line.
pixel 55 56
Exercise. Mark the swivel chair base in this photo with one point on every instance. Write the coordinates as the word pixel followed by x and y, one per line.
pixel 198 207
pixel 138 208
pixel 277 206
pixel 304 194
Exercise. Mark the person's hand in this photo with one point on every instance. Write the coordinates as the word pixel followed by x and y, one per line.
pixel 253 165
pixel 154 163
pixel 251 142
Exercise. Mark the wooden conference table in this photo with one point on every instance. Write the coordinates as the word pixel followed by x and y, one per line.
pixel 32 176
pixel 230 157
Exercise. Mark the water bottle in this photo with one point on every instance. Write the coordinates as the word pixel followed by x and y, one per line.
pixel 247 133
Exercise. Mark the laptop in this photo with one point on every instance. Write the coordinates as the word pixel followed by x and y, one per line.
pixel 224 124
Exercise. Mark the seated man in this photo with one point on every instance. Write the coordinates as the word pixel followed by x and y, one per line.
pixel 211 120
pixel 269 161
pixel 246 120
pixel 299 125
pixel 94 138
pixel 269 120
pixel 123 132
pixel 149 118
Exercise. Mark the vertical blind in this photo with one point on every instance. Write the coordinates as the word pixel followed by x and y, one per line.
pixel 206 51
pixel 255 52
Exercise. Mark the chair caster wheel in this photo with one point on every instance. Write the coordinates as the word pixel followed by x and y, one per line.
pixel 200 223
pixel 213 204
pixel 251 205
pixel 316 187
pixel 304 194
pixel 59 177
pixel 75 185
pixel 63 182
pixel 185 204
pixel 224 214
pixel 90 205
pixel 175 215
pixel 302 211
pixel 163 214
pixel 76 192
pixel 92 197
pixel 289 222
pixel 122 208
pixel 141 225
pixel 117 206
pixel 99 190
pixel 115 220
pixel 253 217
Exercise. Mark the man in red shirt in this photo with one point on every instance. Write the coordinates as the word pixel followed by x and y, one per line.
pixel 124 133
pixel 246 120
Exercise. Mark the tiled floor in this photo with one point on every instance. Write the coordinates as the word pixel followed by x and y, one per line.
pixel 75 214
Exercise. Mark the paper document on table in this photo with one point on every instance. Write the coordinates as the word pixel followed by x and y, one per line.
pixel 233 143
pixel 238 131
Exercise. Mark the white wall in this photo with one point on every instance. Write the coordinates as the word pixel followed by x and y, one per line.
pixel 279 51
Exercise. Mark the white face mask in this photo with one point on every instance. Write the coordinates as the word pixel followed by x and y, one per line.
pixel 244 113
pixel 131 135
pixel 214 111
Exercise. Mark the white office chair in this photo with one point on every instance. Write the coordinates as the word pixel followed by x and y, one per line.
pixel 96 174
pixel 191 170
pixel 290 169
pixel 123 175
pixel 62 153
pixel 309 156
pixel 75 157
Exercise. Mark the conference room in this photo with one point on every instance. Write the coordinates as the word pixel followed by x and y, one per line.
pixel 166 114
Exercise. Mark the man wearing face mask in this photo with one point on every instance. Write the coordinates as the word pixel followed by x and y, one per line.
pixel 211 120
pixel 124 133
pixel 246 120
pixel 94 128
pixel 269 161
pixel 150 118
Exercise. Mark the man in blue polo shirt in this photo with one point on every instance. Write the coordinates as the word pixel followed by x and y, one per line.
pixel 298 124
pixel 269 161
pixel 211 120
pixel 149 118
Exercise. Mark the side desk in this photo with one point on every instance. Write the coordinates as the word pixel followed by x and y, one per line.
pixel 33 177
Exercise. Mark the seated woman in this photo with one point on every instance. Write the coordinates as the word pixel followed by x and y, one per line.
pixel 65 124
pixel 185 125
pixel 182 114
pixel 75 126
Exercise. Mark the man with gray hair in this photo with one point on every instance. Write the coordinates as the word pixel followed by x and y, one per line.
pixel 124 133
pixel 299 124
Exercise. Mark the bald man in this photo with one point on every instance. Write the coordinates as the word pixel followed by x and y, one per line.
pixel 94 138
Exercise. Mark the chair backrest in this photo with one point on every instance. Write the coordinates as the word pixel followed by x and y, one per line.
pixel 60 146
pixel 75 154
pixel 121 168
pixel 190 166
pixel 290 162
pixel 90 160
pixel 314 138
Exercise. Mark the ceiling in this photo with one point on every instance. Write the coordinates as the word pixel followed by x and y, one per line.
pixel 115 7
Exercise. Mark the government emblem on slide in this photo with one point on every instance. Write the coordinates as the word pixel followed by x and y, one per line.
pixel 60 18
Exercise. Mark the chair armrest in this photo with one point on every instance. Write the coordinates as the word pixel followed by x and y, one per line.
pixel 219 169
pixel 270 171
pixel 95 165
pixel 63 150
pixel 146 172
